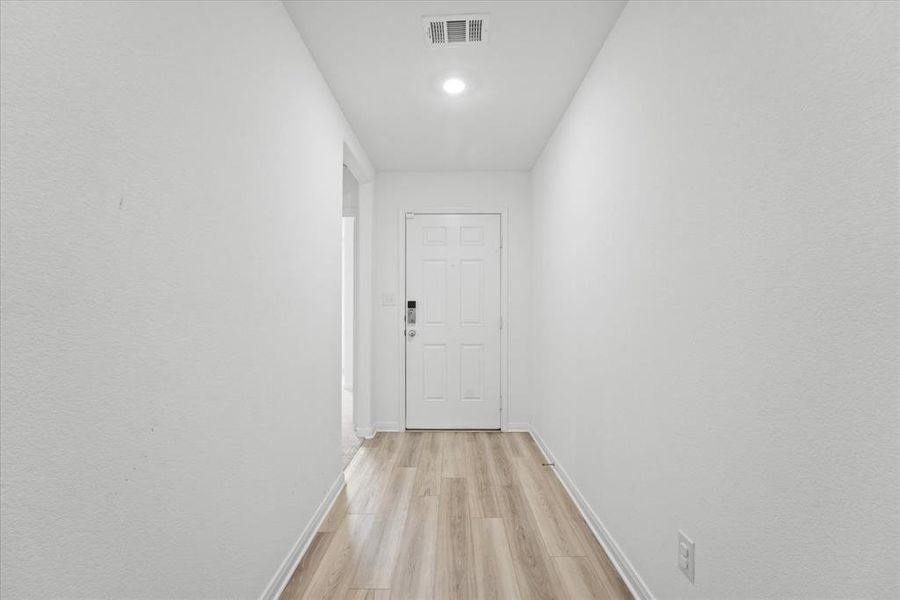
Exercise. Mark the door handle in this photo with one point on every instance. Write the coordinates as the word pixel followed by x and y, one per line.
pixel 411 333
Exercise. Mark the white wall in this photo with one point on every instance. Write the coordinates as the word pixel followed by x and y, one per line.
pixel 348 276
pixel 365 312
pixel 351 194
pixel 171 226
pixel 717 214
pixel 488 190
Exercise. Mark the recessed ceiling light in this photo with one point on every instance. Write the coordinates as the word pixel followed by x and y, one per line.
pixel 454 86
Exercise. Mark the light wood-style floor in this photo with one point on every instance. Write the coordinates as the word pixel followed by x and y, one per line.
pixel 453 515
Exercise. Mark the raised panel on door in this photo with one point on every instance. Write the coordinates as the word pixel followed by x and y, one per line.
pixel 471 292
pixel 471 372
pixel 434 292
pixel 434 372
pixel 453 349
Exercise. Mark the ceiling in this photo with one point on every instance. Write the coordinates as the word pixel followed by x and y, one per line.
pixel 388 81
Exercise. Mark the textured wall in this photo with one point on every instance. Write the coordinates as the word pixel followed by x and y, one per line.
pixel 716 254
pixel 171 204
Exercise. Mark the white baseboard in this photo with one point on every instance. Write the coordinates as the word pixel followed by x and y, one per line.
pixel 629 575
pixel 514 426
pixel 283 575
pixel 365 432
pixel 395 426
pixel 388 426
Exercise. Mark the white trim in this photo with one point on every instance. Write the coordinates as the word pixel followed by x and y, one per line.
pixel 389 426
pixel 287 568
pixel 354 309
pixel 365 315
pixel 629 575
pixel 516 426
pixel 365 432
pixel 504 299
pixel 356 161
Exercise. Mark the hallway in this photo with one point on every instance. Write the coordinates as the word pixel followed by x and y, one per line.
pixel 453 515
pixel 429 299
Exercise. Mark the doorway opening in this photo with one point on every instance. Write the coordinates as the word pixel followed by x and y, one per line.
pixel 350 442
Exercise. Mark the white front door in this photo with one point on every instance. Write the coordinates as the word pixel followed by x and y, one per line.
pixel 453 348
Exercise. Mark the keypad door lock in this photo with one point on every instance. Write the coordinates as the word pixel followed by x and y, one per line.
pixel 410 312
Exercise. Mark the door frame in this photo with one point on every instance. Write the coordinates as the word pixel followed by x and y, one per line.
pixel 504 299
pixel 361 169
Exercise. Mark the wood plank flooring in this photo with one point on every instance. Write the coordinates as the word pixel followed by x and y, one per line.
pixel 453 515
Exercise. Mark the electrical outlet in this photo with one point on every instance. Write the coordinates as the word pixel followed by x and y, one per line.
pixel 686 556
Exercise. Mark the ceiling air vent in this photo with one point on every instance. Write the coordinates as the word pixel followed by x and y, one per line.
pixel 455 30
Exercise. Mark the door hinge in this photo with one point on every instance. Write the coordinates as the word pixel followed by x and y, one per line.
pixel 501 321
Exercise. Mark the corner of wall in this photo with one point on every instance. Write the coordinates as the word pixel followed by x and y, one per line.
pixel 626 569
pixel 289 565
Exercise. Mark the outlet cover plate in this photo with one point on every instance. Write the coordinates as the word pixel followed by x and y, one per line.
pixel 685 556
